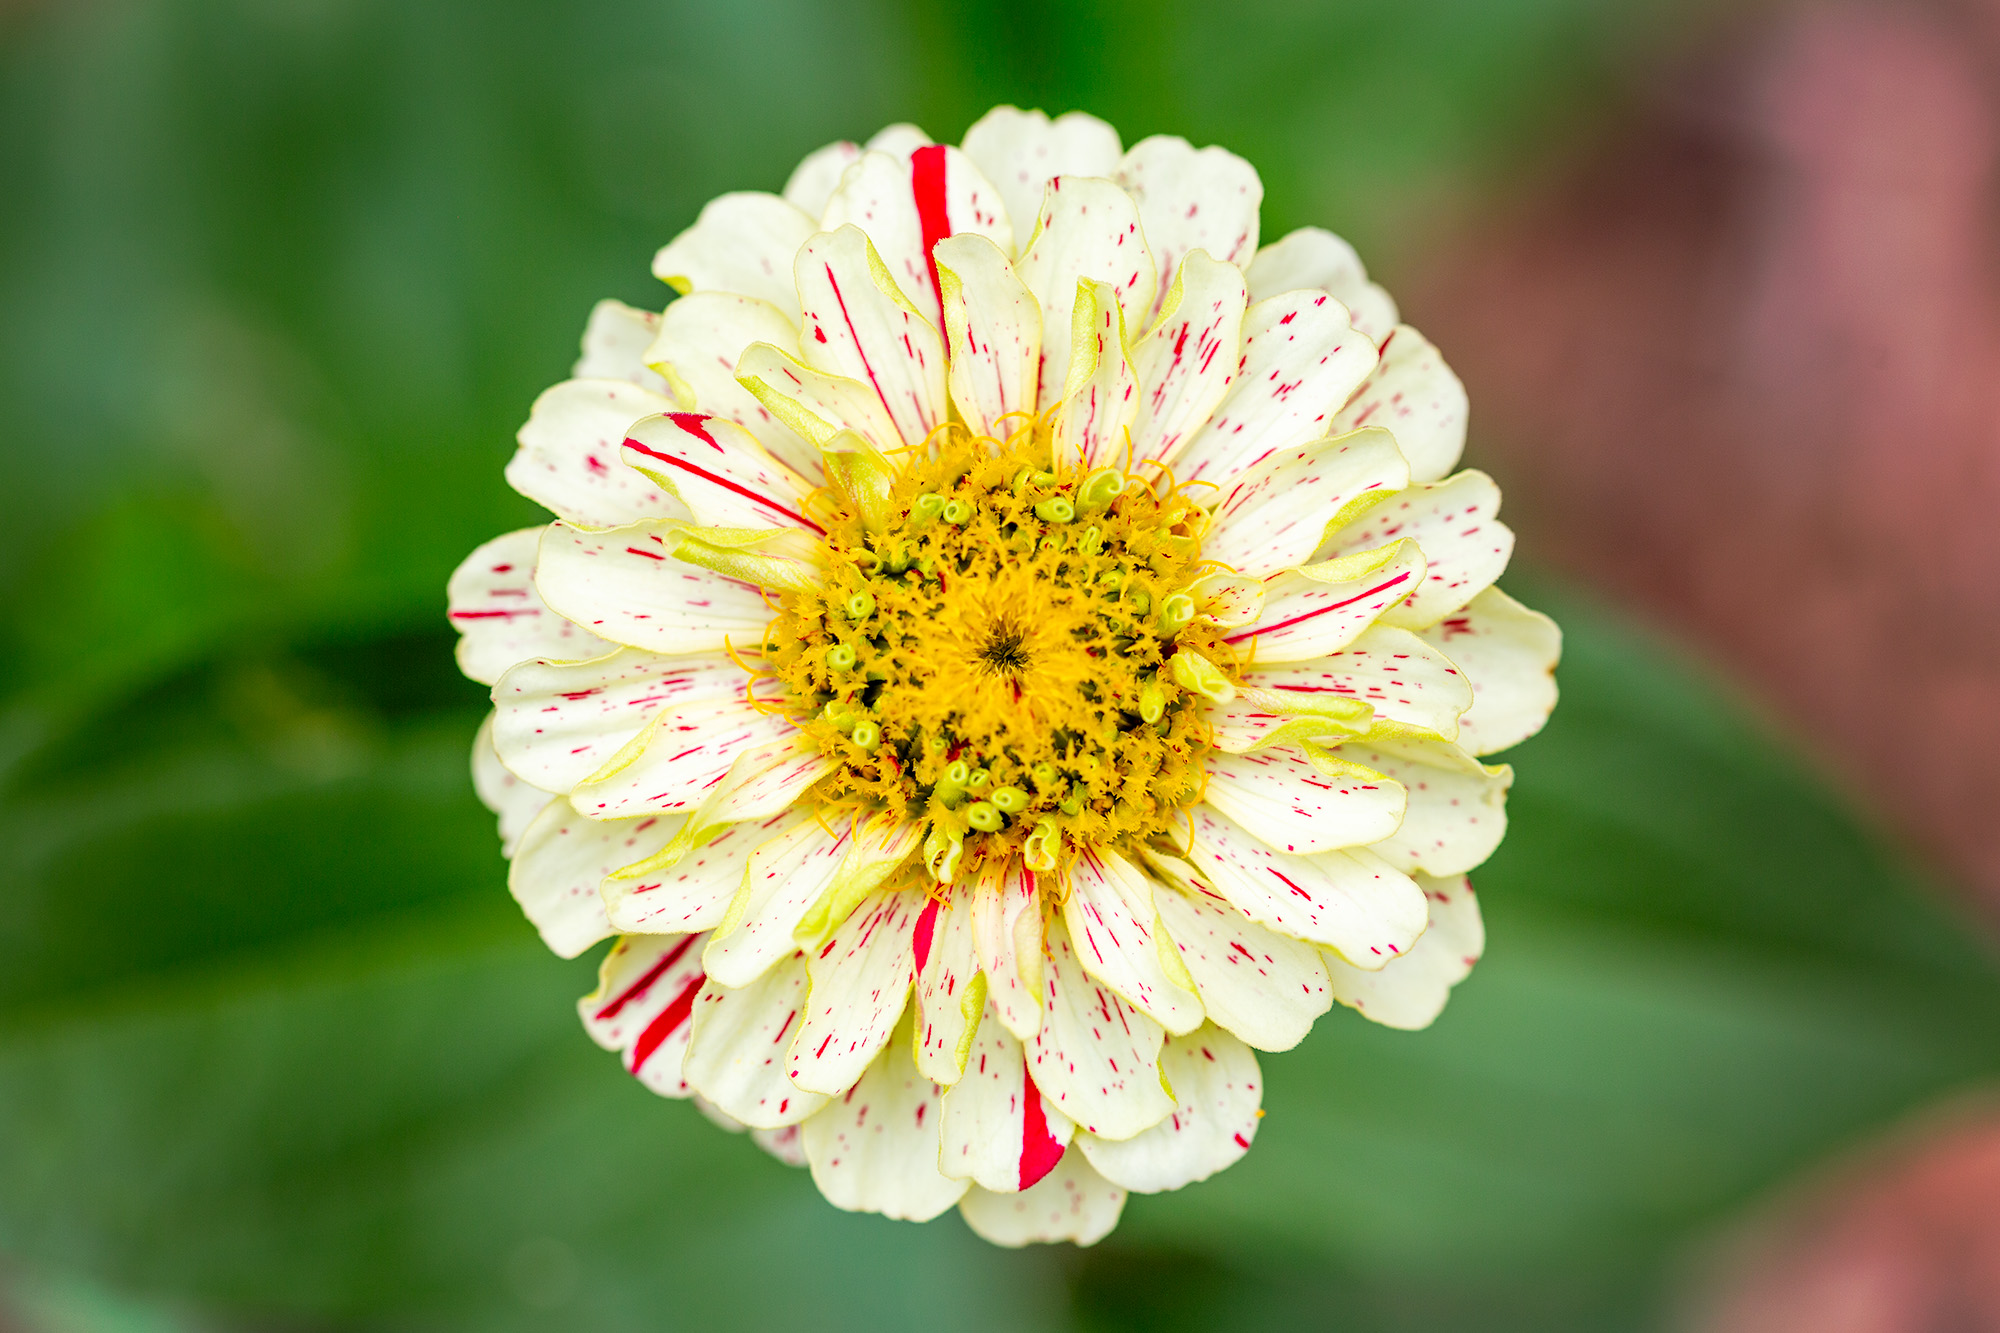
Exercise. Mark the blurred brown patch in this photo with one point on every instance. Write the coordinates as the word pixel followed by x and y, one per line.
pixel 1740 370
pixel 1908 1242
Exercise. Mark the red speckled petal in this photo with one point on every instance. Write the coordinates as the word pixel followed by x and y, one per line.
pixel 1086 230
pixel 993 326
pixel 858 324
pixel 624 585
pixel 1465 547
pixel 645 996
pixel 1509 653
pixel 679 758
pixel 556 723
pixel 1303 804
pixel 1350 900
pixel 561 860
pixel 999 1130
pixel 736 1056
pixel 1071 1203
pixel 1112 924
pixel 1301 361
pixel 1276 515
pixel 1265 987
pixel 1218 1089
pixel 1188 362
pixel 1192 199
pixel 1095 1057
pixel 1315 257
pixel 1411 992
pixel 860 984
pixel 741 243
pixel 875 1149
pixel 499 614
pixel 1413 394
pixel 950 992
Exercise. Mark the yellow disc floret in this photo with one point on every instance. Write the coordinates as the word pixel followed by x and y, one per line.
pixel 990 654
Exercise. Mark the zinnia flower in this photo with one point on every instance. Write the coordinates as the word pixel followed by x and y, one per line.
pixel 1009 648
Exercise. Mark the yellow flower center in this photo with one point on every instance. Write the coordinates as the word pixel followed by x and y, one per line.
pixel 997 656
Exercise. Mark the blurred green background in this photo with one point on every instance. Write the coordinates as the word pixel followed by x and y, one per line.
pixel 281 277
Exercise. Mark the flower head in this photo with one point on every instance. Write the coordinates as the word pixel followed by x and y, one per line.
pixel 1008 647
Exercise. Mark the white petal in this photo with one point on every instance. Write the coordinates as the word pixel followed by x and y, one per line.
pixel 696 890
pixel 682 754
pixel 1230 600
pixel 993 325
pixel 1350 900
pixel 702 337
pixel 875 1150
pixel 1112 924
pixel 1275 515
pixel 516 802
pixel 1071 1203
pixel 1414 394
pixel 1219 1089
pixel 860 983
pixel 951 993
pixel 1022 151
pixel 1406 680
pixel 1302 804
pixel 1313 257
pixel 1411 992
pixel 766 781
pixel 501 618
pixel 1188 361
pixel 570 455
pixel 1101 394
pixel 719 471
pixel 1509 653
pixel 736 1057
pixel 1265 987
pixel 1301 361
pixel 625 586
pixel 1191 199
pixel 741 243
pixel 614 347
pixel 1319 609
pixel 1086 229
pixel 556 723
pixel 1007 930
pixel 787 1144
pixel 786 875
pixel 899 140
pixel 1096 1057
pixel 813 404
pixel 999 1130
pixel 1458 806
pixel 812 182
pixel 1465 547
pixel 561 860
pixel 909 203
pixel 645 994
pixel 859 325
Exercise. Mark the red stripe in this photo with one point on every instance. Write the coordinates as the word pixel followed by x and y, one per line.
pixel 691 423
pixel 1358 597
pixel 725 483
pixel 926 924
pixel 933 218
pixel 664 1024
pixel 638 988
pixel 1039 1150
